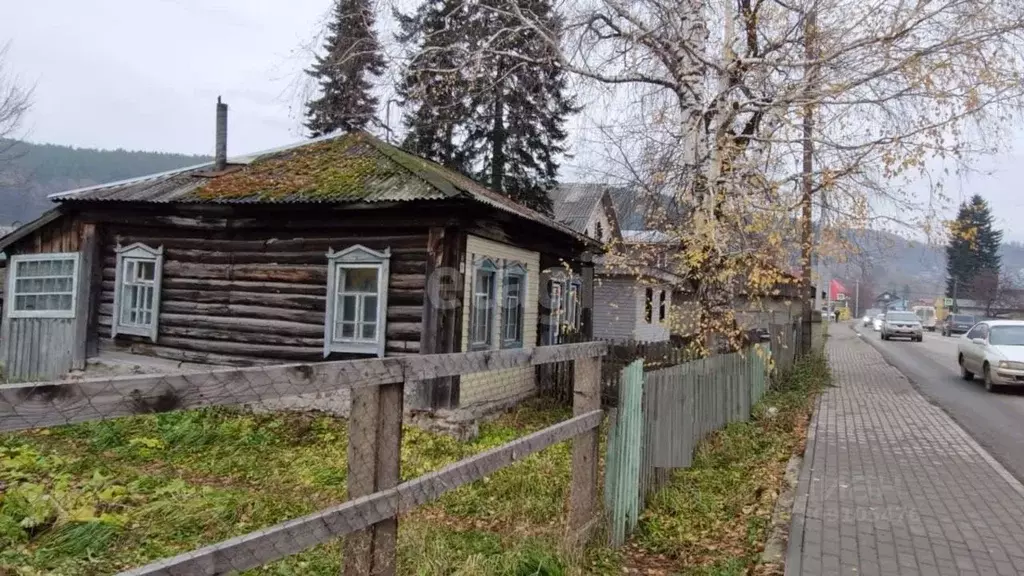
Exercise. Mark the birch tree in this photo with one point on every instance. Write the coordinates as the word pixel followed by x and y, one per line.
pixel 781 124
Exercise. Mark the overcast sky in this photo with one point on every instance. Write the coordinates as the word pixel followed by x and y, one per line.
pixel 145 74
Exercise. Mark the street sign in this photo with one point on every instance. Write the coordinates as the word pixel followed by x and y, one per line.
pixel 947 301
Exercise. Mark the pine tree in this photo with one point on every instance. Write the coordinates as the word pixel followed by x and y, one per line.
pixel 352 55
pixel 973 249
pixel 488 112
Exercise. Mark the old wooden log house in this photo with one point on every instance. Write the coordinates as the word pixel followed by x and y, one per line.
pixel 338 247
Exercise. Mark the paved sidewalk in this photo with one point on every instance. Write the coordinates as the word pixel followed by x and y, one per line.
pixel 892 485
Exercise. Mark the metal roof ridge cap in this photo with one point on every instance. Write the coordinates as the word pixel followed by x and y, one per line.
pixel 59 195
pixel 240 159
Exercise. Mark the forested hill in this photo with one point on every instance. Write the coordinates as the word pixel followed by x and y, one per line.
pixel 28 172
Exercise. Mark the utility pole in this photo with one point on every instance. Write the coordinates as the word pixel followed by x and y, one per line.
pixel 806 200
pixel 956 306
pixel 856 298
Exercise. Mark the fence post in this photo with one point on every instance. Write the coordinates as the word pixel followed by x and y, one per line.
pixel 374 460
pixel 583 490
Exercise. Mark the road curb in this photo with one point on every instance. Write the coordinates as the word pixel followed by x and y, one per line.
pixel 1001 470
pixel 795 545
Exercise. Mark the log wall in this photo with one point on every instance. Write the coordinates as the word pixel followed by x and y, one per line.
pixel 259 294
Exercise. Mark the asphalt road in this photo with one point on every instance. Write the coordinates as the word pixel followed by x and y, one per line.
pixel 996 421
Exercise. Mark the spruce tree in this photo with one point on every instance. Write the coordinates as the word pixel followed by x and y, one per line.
pixel 433 87
pixel 351 56
pixel 973 249
pixel 488 111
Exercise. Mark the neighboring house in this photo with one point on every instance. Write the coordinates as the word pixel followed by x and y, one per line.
pixel 1010 306
pixel 645 300
pixel 629 304
pixel 339 247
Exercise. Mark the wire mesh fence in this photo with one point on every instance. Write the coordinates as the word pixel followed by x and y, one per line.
pixel 156 463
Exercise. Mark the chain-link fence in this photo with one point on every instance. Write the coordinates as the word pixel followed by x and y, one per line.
pixel 154 465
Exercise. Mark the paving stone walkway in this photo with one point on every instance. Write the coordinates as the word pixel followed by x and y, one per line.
pixel 891 485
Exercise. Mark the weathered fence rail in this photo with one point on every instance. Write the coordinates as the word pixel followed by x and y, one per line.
pixel 41 404
pixel 369 519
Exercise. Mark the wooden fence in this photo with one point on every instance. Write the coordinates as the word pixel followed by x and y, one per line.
pixel 663 415
pixel 785 344
pixel 369 519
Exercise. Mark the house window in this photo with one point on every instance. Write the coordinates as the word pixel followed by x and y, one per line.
pixel 137 296
pixel 555 318
pixel 649 305
pixel 514 296
pixel 661 307
pixel 598 232
pixel 572 306
pixel 357 288
pixel 43 285
pixel 481 313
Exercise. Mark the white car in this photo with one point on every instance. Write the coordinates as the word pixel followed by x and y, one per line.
pixel 869 316
pixel 877 322
pixel 994 350
pixel 902 324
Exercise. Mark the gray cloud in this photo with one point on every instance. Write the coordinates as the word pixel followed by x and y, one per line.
pixel 144 74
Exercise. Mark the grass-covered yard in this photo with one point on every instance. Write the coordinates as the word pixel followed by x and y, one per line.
pixel 100 497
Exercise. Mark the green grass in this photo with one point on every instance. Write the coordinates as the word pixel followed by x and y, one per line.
pixel 101 497
pixel 713 518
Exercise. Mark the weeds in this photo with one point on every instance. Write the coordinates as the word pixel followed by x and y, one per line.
pixel 100 497
pixel 713 518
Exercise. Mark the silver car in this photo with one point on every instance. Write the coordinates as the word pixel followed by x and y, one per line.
pixel 901 324
pixel 869 316
pixel 993 349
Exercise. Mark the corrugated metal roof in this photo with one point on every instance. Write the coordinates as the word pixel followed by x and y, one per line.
pixel 341 168
pixel 574 202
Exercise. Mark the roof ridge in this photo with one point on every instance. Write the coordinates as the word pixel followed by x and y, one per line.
pixel 395 154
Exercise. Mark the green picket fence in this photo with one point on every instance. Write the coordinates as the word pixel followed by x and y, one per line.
pixel 662 416
pixel 622 466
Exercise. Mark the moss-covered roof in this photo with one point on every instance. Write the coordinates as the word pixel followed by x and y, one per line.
pixel 348 168
pixel 345 169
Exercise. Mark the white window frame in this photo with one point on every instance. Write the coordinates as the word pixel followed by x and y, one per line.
pixel 137 252
pixel 488 266
pixel 354 258
pixel 573 307
pixel 556 309
pixel 516 270
pixel 12 276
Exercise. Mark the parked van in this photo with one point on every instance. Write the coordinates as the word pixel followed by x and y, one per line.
pixel 927 316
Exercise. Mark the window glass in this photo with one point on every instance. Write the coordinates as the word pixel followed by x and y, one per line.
pixel 513 309
pixel 1007 335
pixel 44 285
pixel 648 305
pixel 555 325
pixel 482 308
pixel 137 300
pixel 357 307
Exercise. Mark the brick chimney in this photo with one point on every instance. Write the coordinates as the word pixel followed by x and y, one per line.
pixel 220 160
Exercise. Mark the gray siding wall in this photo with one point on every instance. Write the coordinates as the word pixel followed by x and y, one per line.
pixel 615 305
